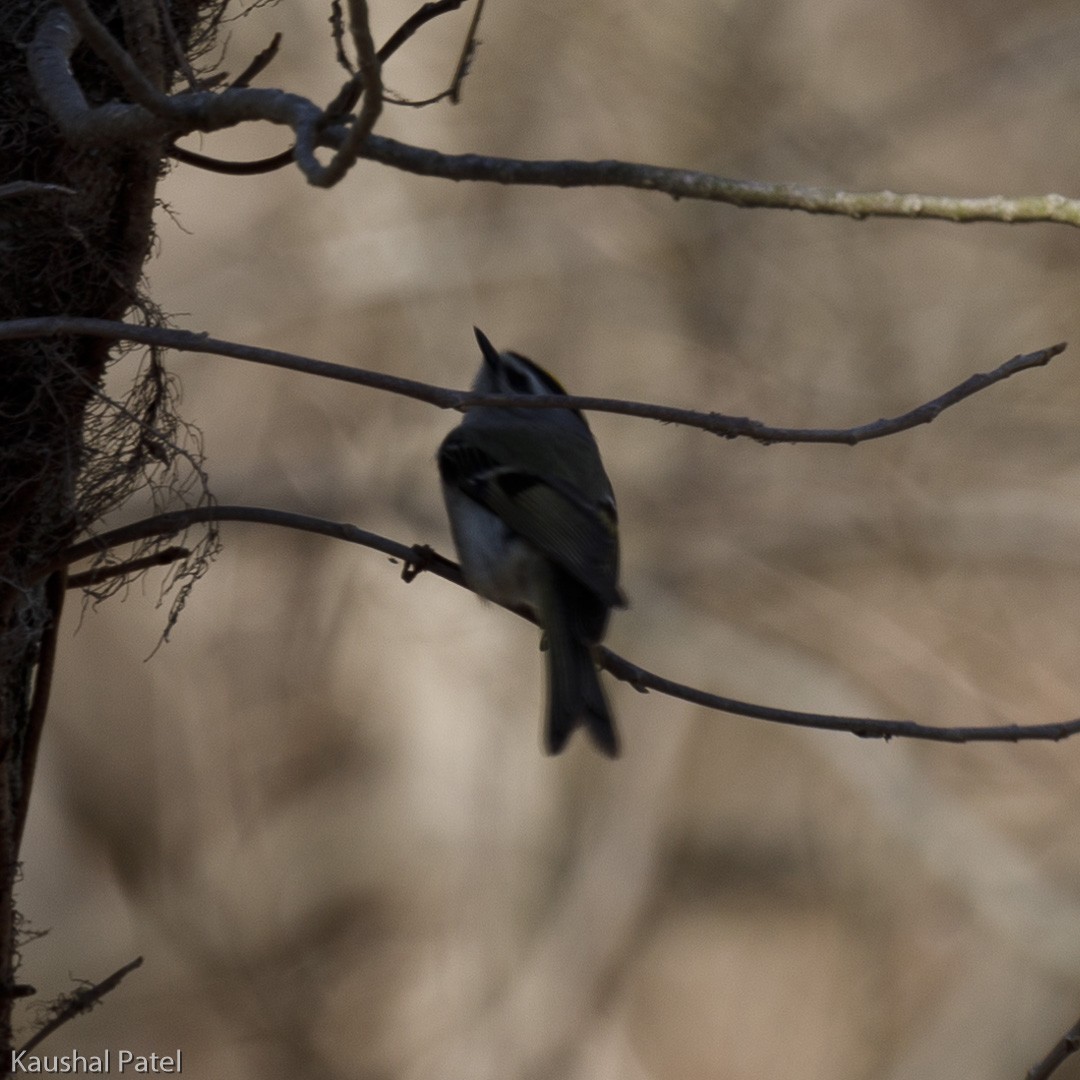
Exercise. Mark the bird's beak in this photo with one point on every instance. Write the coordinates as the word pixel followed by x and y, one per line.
pixel 491 355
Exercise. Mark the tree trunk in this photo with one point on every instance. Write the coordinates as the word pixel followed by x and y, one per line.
pixel 78 251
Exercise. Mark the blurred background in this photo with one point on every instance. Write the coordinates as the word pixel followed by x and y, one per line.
pixel 321 812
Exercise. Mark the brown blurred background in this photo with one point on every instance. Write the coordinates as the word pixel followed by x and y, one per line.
pixel 321 812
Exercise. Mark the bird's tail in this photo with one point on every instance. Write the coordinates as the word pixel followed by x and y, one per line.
pixel 575 697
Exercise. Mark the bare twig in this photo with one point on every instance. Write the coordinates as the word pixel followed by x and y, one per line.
pixel 82 1000
pixel 340 107
pixel 187 341
pixel 39 704
pixel 421 559
pixel 468 51
pixel 453 91
pixel 348 96
pixel 1064 1048
pixel 90 578
pixel 863 727
pixel 255 167
pixel 418 18
pixel 337 32
pixel 176 521
pixel 259 63
pixel 415 103
pixel 371 74
pixel 690 184
pixel 708 187
pixel 729 427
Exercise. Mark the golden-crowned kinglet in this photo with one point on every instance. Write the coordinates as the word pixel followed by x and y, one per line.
pixel 534 524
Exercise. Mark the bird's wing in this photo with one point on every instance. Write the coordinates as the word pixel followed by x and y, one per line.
pixel 549 512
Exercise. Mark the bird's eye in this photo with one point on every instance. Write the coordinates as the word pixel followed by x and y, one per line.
pixel 518 380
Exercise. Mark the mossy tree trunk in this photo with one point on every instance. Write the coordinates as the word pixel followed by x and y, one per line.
pixel 75 229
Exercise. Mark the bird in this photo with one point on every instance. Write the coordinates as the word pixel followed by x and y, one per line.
pixel 534 523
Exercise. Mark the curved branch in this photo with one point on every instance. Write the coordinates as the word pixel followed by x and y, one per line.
pixel 259 62
pixel 48 57
pixel 424 14
pixel 461 70
pixel 139 88
pixel 157 115
pixel 176 521
pixel 417 559
pixel 748 194
pixel 352 144
pixel 57 36
pixel 728 427
pixel 346 101
pixel 468 51
pixel 255 167
pixel 863 726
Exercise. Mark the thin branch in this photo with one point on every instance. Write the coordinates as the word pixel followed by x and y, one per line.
pixel 468 51
pixel 186 341
pixel 862 726
pixel 690 184
pixel 176 521
pixel 255 167
pixel 453 91
pixel 349 94
pixel 82 1000
pixel 343 104
pixel 729 427
pixel 337 32
pixel 419 559
pixel 370 70
pixel 89 578
pixel 1064 1048
pixel 415 103
pixel 259 63
pixel 39 704
pixel 418 18
pixel 371 75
